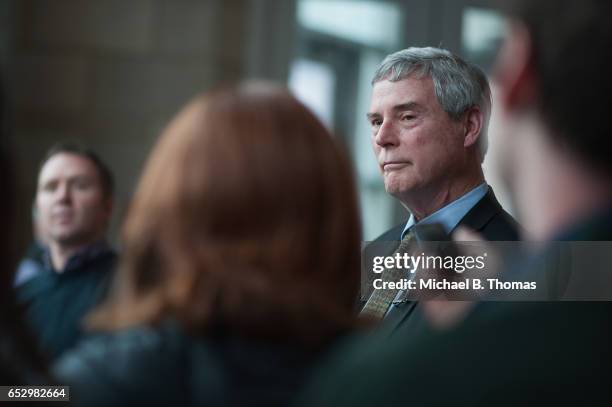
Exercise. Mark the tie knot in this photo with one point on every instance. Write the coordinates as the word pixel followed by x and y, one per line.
pixel 406 242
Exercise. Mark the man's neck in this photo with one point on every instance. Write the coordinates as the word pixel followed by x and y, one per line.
pixel 61 253
pixel 427 201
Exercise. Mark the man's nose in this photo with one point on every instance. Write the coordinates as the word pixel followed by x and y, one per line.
pixel 386 136
pixel 64 193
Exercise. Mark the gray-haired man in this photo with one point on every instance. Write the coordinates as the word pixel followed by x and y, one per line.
pixel 429 114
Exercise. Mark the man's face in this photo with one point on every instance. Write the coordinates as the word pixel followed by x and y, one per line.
pixel 417 145
pixel 71 203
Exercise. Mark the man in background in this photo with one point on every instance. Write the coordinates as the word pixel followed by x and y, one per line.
pixel 74 206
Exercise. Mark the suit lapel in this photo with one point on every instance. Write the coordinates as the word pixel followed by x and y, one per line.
pixel 484 210
pixel 397 315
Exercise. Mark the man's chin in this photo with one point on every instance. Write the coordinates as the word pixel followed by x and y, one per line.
pixel 68 238
pixel 397 190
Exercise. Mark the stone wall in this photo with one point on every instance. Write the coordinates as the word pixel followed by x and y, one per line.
pixel 111 73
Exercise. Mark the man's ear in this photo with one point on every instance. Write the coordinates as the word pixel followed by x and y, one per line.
pixel 513 69
pixel 474 122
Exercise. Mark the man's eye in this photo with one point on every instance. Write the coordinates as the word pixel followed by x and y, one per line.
pixel 49 187
pixel 408 117
pixel 375 122
pixel 82 184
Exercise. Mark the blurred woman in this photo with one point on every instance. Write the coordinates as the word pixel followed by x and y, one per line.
pixel 240 260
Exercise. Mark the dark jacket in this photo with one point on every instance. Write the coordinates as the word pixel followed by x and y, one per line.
pixel 55 303
pixel 163 366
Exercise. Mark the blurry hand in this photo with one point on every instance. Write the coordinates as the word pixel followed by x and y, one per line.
pixel 442 313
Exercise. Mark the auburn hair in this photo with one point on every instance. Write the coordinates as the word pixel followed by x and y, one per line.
pixel 245 217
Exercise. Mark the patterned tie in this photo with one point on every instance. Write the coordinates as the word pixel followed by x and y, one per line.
pixel 377 305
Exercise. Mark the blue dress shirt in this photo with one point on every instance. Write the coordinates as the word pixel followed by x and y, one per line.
pixel 450 215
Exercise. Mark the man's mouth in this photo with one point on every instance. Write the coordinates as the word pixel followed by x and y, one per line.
pixel 63 217
pixel 62 220
pixel 394 165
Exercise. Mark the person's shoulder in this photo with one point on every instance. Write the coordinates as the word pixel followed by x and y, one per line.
pixel 355 362
pixel 502 226
pixel 491 220
pixel 124 367
pixel 556 339
pixel 106 259
pixel 110 351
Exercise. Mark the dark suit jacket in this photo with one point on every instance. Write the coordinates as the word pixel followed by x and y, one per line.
pixel 487 218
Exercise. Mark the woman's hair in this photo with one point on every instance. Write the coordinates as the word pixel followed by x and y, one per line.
pixel 245 219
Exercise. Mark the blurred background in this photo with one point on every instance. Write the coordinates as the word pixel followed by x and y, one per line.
pixel 112 72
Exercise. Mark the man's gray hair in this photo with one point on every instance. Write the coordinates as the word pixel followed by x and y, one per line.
pixel 459 85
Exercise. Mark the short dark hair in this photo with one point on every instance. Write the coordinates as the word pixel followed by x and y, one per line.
pixel 72 147
pixel 572 44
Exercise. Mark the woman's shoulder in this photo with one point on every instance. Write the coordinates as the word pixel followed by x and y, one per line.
pixel 121 347
pixel 124 366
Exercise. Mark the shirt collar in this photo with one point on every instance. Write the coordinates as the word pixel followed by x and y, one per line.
pixel 81 257
pixel 450 215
